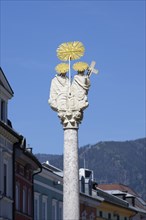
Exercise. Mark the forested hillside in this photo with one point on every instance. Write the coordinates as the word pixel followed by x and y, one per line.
pixel 112 162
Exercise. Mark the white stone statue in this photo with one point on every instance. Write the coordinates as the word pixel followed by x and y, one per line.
pixel 79 91
pixel 59 90
pixel 70 99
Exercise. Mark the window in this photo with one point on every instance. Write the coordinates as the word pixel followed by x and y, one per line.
pixel 36 209
pixel 89 174
pixel 100 213
pixel 109 215
pixel 36 206
pixel 54 209
pixel 29 202
pixel 118 217
pixel 44 208
pixel 60 210
pixel 24 200
pixel 90 187
pixel 21 170
pixel 82 184
pixel 92 216
pixel 2 110
pixel 84 215
pixel 5 171
pixel 17 197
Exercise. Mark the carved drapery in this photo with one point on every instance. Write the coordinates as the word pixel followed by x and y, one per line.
pixel 69 103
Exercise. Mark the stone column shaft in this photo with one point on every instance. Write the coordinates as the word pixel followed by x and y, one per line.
pixel 71 175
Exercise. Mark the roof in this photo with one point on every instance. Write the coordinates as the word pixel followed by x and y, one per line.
pixel 10 130
pixel 116 192
pixel 50 167
pixel 120 189
pixel 21 146
pixel 59 173
pixel 111 198
pixel 4 82
pixel 117 186
pixel 95 198
pixel 18 144
pixel 141 211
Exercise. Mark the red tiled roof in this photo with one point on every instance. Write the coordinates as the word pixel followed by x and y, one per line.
pixel 117 186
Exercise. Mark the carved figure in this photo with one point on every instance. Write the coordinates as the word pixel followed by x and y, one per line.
pixel 80 87
pixel 59 89
pixel 79 91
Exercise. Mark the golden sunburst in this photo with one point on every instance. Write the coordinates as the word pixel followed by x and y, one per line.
pixel 70 50
pixel 62 68
pixel 80 66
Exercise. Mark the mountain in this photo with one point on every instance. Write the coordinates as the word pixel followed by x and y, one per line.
pixel 112 162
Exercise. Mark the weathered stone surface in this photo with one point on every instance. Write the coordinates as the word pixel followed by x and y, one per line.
pixel 69 100
pixel 71 175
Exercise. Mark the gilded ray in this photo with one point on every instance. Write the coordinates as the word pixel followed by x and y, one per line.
pixel 80 66
pixel 62 68
pixel 70 50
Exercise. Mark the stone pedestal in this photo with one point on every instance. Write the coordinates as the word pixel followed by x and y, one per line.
pixel 71 175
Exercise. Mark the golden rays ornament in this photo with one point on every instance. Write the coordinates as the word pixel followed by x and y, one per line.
pixel 80 66
pixel 70 51
pixel 62 68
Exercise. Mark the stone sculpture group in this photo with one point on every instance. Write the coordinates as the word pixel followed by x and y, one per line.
pixel 70 99
pixel 67 98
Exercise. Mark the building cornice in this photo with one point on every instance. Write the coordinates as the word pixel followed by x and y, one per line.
pixel 4 83
pixel 9 133
pixel 24 156
pixel 91 201
pixel 47 186
pixel 50 175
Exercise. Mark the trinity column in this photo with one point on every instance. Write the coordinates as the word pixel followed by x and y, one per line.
pixel 69 99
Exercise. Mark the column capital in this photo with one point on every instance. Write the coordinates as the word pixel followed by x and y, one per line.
pixel 70 119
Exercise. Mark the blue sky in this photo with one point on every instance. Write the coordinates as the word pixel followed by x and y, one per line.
pixel 113 33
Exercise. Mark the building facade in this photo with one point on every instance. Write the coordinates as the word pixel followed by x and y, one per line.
pixel 95 204
pixel 7 139
pixel 17 165
pixel 26 167
pixel 48 193
pixel 113 208
pixel 107 206
pixel 125 193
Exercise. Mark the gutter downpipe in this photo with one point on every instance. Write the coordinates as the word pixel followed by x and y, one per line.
pixel 13 181
pixel 37 172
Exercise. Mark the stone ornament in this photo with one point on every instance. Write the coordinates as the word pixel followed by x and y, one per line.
pixel 67 98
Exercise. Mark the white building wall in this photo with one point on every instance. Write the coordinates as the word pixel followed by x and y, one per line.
pixel 6 187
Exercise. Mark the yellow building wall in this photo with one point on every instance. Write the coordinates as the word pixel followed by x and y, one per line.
pixel 106 208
